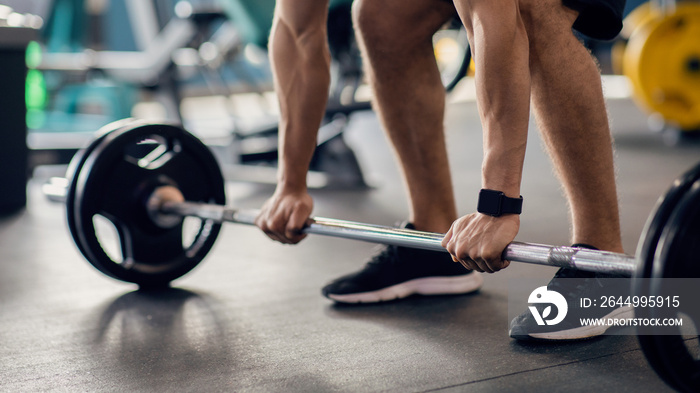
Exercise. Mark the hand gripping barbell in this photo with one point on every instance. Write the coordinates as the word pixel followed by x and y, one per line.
pixel 145 178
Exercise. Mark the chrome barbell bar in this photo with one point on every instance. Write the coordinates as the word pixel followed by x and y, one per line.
pixel 539 254
pixel 532 253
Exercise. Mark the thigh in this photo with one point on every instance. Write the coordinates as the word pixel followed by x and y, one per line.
pixel 400 20
pixel 547 16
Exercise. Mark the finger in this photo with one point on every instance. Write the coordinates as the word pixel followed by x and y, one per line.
pixel 294 237
pixel 461 257
pixel 272 229
pixel 471 265
pixel 450 247
pixel 467 262
pixel 499 265
pixel 483 266
pixel 297 221
pixel 447 238
pixel 495 265
pixel 491 262
pixel 493 259
pixel 276 237
pixel 278 224
pixel 261 220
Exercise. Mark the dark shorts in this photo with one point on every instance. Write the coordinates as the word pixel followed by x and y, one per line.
pixel 599 19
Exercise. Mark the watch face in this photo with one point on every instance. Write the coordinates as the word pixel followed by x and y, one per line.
pixel 490 202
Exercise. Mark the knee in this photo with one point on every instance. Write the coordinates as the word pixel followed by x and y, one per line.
pixel 390 26
pixel 546 18
pixel 371 24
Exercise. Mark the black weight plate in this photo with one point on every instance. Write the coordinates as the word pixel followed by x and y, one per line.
pixel 76 164
pixel 646 251
pixel 114 182
pixel 677 256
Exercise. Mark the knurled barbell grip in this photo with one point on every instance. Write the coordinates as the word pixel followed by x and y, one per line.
pixel 539 254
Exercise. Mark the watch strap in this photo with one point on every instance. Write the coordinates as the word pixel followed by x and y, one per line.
pixel 496 203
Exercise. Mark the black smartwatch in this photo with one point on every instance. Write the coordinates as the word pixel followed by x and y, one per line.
pixel 496 203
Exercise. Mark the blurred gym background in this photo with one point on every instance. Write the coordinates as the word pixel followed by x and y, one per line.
pixel 204 64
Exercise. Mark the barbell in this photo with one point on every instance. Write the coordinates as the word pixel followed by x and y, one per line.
pixel 146 178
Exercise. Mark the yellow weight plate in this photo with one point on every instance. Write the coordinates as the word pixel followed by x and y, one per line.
pixel 617 55
pixel 662 60
pixel 638 17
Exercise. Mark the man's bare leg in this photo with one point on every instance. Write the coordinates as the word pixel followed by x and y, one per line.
pixel 568 102
pixel 396 40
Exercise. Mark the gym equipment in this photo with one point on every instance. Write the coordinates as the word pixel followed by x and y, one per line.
pixel 15 36
pixel 673 357
pixel 125 165
pixel 638 17
pixel 171 50
pixel 662 60
pixel 452 53
pixel 146 178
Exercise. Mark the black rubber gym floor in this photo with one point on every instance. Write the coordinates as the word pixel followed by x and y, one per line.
pixel 251 316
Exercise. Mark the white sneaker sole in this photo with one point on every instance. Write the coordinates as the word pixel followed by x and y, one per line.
pixel 453 285
pixel 586 331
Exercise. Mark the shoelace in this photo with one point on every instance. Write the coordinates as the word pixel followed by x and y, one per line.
pixel 388 255
pixel 584 279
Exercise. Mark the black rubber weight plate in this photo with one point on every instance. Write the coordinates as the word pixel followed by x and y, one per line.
pixel 76 165
pixel 678 257
pixel 114 181
pixel 646 252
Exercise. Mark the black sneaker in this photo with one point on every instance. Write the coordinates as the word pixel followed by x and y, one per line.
pixel 574 285
pixel 398 272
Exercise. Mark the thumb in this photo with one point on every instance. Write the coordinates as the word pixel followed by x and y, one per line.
pixel 297 221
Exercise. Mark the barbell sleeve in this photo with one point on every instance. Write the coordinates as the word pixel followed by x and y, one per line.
pixel 539 254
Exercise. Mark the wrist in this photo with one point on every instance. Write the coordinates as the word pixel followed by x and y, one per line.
pixel 502 174
pixel 292 184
